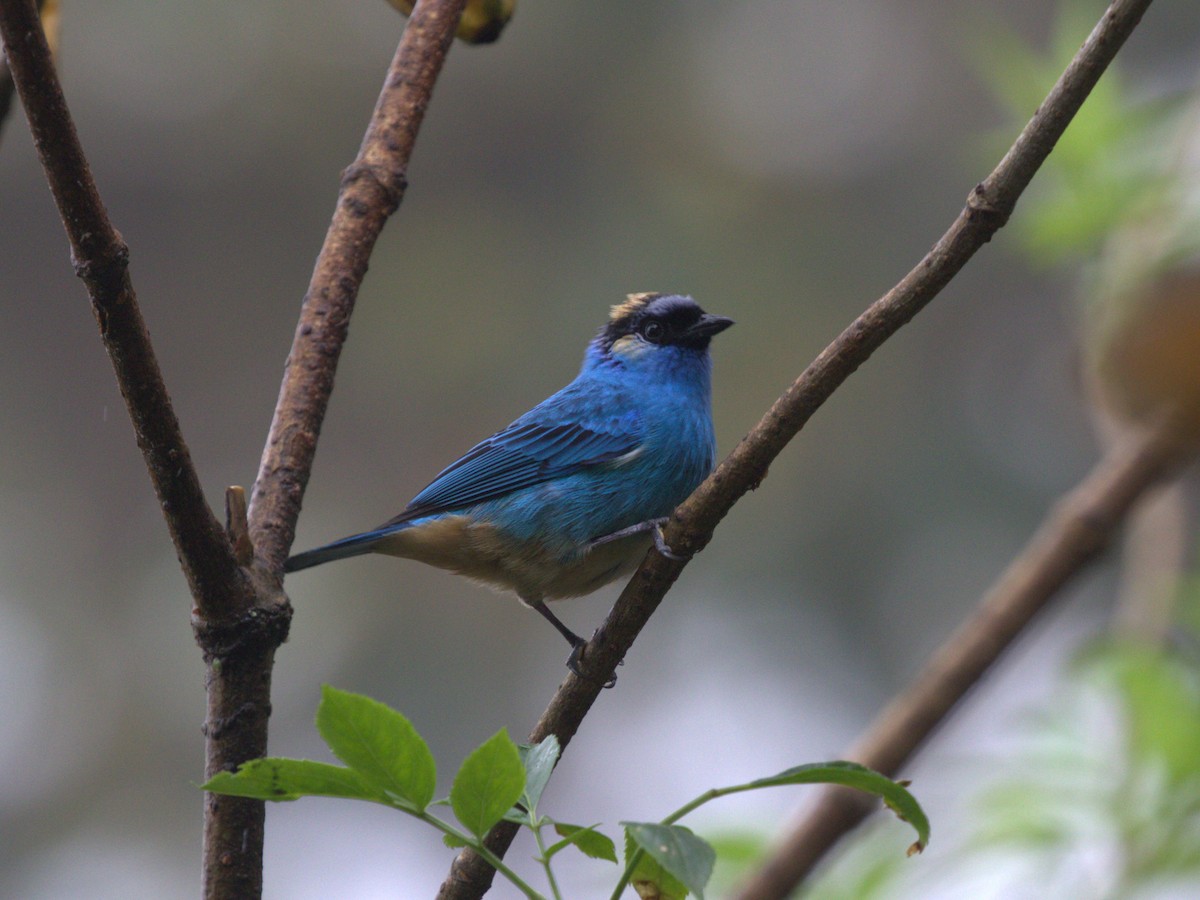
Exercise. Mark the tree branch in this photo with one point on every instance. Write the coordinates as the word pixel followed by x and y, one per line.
pixel 988 208
pixel 49 14
pixel 372 188
pixel 1077 529
pixel 239 665
pixel 241 614
pixel 101 259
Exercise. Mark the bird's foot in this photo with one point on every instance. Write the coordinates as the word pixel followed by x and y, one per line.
pixel 577 656
pixel 654 526
pixel 639 528
pixel 660 544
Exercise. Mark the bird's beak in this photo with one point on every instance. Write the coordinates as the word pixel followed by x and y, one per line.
pixel 707 326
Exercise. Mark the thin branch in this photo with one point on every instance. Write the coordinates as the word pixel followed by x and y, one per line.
pixel 1076 531
pixel 101 258
pixel 988 208
pixel 372 188
pixel 241 613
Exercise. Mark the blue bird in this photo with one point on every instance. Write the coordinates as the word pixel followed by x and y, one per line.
pixel 570 496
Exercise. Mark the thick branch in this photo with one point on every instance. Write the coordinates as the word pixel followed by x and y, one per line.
pixel 372 188
pixel 988 208
pixel 240 663
pixel 1078 528
pixel 100 258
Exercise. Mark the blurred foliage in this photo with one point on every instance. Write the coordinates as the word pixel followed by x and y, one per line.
pixel 1117 194
pixel 1101 798
pixel 1111 167
pixel 1109 793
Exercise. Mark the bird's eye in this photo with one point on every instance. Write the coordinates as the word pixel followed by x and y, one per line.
pixel 654 331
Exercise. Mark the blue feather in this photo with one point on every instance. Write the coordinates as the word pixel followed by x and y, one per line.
pixel 526 453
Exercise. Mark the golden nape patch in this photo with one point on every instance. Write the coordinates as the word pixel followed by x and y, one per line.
pixel 633 304
pixel 629 346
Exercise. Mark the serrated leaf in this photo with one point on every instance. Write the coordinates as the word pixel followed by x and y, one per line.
pixel 378 743
pixel 490 780
pixel 289 779
pixel 589 841
pixel 850 774
pixel 454 842
pixel 539 763
pixel 686 858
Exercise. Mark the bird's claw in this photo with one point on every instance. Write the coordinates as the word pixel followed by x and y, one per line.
pixel 573 665
pixel 660 544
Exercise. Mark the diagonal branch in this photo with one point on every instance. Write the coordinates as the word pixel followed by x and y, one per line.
pixel 101 260
pixel 372 188
pixel 1079 527
pixel 988 208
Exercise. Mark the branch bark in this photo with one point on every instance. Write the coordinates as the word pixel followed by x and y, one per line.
pixel 1076 531
pixel 988 208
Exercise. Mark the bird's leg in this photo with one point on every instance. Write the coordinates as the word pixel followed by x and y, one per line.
pixel 572 638
pixel 577 643
pixel 654 526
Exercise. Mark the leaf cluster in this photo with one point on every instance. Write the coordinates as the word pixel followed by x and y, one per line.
pixel 386 761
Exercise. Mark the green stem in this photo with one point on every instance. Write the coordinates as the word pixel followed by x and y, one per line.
pixel 710 794
pixel 545 860
pixel 627 874
pixel 478 846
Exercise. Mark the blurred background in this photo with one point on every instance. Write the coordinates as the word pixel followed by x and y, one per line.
pixel 784 163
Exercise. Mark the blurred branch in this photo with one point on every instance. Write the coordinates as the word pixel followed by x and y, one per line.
pixel 1076 530
pixel 372 188
pixel 988 208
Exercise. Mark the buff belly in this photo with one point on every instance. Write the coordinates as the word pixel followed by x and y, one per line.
pixel 533 570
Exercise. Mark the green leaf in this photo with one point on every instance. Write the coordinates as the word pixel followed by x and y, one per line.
pixel 1161 700
pixel 590 841
pixel 489 782
pixel 682 855
pixel 378 743
pixel 290 779
pixel 539 762
pixel 895 795
pixel 648 877
pixel 454 842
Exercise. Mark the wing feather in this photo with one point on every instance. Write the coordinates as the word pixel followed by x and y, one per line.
pixel 526 453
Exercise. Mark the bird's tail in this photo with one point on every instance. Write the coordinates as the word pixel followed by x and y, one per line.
pixel 355 545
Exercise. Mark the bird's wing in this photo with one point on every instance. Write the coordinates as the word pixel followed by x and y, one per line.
pixel 522 455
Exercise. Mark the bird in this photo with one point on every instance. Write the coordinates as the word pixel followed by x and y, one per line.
pixel 571 495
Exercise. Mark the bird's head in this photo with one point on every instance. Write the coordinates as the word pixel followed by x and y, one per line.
pixel 646 325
